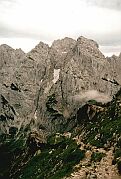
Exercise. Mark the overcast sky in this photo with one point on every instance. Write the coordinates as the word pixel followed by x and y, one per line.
pixel 24 23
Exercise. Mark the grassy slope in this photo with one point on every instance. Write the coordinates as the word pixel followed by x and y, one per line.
pixel 61 154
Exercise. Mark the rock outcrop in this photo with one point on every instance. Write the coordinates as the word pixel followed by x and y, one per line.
pixel 58 73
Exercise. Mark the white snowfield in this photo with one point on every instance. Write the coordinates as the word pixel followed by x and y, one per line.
pixel 55 79
pixel 64 52
pixel 35 115
pixel 56 75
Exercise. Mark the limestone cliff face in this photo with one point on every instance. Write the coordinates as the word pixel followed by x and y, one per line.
pixel 39 87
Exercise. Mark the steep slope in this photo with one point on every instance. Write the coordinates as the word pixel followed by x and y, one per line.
pixel 92 149
pixel 99 133
pixel 64 70
pixel 41 92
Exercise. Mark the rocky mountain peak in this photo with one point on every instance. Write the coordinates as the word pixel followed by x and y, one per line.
pixel 5 47
pixel 39 52
pixel 89 47
pixel 41 46
pixel 63 44
pixel 120 55
pixel 87 42
pixel 49 93
pixel 67 69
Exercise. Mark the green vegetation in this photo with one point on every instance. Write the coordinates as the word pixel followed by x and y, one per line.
pixel 24 159
pixel 54 162
pixel 117 159
pixel 10 154
pixel 13 131
pixel 51 103
pixel 117 153
pixel 105 126
pixel 93 102
pixel 97 156
pixel 119 166
pixel 104 129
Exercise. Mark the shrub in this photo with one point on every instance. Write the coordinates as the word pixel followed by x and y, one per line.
pixel 119 166
pixel 97 156
pixel 54 162
pixel 117 153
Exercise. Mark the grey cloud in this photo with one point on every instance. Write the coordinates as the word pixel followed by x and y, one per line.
pixel 111 4
pixel 91 95
pixel 108 49
pixel 5 4
pixel 10 1
pixel 109 39
pixel 104 39
pixel 8 32
pixel 112 39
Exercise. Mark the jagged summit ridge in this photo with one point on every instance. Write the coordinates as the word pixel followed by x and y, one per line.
pixel 84 40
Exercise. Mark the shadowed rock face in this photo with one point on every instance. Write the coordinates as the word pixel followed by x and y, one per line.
pixel 28 82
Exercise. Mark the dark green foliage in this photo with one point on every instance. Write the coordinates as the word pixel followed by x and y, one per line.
pixel 5 161
pixel 51 103
pixel 56 159
pixel 55 139
pixel 11 151
pixel 54 162
pixel 104 125
pixel 117 153
pixel 97 156
pixel 119 143
pixel 119 166
pixel 104 130
pixel 93 102
pixel 118 95
pixel 2 117
pixel 13 130
pixel 117 159
pixel 52 112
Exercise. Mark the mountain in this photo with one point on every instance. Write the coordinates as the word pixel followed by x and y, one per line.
pixel 51 96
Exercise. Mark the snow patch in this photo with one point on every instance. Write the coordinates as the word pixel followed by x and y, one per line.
pixel 35 115
pixel 50 84
pixel 64 52
pixel 56 75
